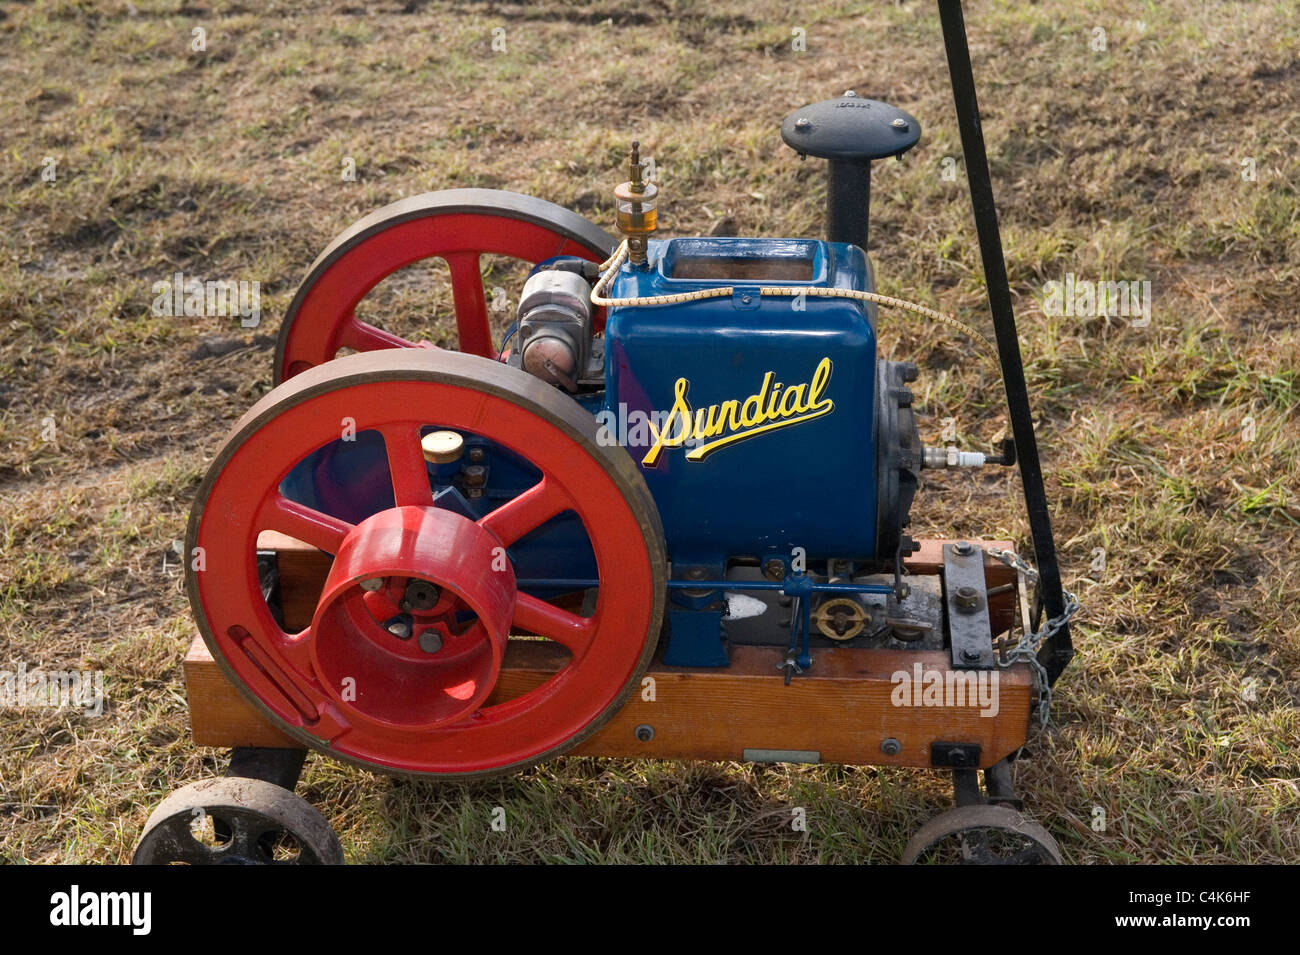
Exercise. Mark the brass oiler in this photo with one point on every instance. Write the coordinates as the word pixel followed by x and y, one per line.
pixel 634 202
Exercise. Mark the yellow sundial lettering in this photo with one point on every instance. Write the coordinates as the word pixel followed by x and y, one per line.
pixel 731 407
pixel 681 411
pixel 772 401
pixel 734 420
pixel 751 412
pixel 820 379
pixel 792 401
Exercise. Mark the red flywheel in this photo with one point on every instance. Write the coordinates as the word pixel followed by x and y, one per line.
pixel 456 225
pixel 400 666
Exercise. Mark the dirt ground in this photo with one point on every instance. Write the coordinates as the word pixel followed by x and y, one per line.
pixel 1128 141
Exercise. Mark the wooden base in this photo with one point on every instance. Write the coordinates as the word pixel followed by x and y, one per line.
pixel 840 711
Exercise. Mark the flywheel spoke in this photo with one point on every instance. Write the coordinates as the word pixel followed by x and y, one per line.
pixel 362 336
pixel 546 620
pixel 406 464
pixel 471 304
pixel 304 523
pixel 528 511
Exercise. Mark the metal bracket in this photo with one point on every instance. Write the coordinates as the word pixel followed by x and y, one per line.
pixel 955 755
pixel 967 791
pixel 966 604
pixel 272 765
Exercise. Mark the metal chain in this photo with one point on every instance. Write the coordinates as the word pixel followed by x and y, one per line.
pixel 1026 651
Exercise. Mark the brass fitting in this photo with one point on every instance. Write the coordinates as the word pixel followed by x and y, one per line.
pixel 634 202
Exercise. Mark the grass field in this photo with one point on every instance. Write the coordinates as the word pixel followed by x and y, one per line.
pixel 1172 449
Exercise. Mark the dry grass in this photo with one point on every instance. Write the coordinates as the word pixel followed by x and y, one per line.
pixel 1123 164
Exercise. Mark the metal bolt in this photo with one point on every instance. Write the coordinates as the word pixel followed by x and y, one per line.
pixel 420 594
pixel 962 548
pixel 645 732
pixel 803 124
pixel 850 93
pixel 969 655
pixel 899 123
pixel 957 757
pixel 371 584
pixel 431 640
pixel 966 598
pixel 745 299
pixel 400 627
pixel 891 747
pixel 774 569
pixel 477 455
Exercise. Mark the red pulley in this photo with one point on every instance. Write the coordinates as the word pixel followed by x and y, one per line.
pixel 429 672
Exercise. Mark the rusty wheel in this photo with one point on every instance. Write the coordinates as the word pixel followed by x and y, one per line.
pixel 982 835
pixel 236 821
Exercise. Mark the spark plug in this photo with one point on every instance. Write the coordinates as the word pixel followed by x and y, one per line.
pixel 952 458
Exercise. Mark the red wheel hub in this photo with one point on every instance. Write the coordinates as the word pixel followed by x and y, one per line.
pixel 459 226
pixel 417 697
pixel 377 676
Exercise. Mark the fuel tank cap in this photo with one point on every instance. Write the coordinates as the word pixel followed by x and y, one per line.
pixel 850 128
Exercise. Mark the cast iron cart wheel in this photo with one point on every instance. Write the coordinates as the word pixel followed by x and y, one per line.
pixel 982 835
pixel 240 822
pixel 456 225
pixel 422 702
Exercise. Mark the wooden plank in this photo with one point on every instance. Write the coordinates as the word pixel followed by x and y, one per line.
pixel 219 714
pixel 843 708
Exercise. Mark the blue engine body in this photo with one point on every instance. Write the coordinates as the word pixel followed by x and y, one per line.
pixel 778 393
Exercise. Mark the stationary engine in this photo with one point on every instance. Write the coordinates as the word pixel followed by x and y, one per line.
pixel 681 447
